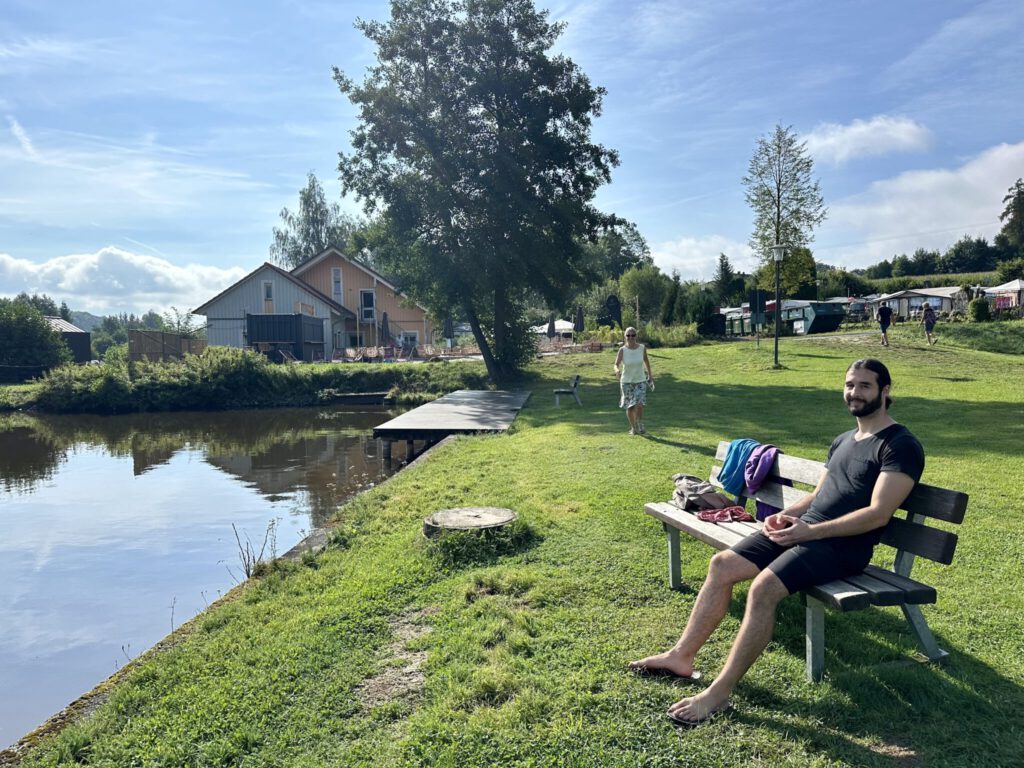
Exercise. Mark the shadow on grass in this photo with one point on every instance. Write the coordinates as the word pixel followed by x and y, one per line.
pixel 913 712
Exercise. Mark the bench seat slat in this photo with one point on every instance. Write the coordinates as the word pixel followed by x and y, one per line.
pixel 914 592
pixel 881 592
pixel 710 533
pixel 841 595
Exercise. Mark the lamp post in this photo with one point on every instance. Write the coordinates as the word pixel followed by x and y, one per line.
pixel 778 252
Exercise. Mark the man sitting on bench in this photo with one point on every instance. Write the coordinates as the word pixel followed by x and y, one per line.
pixel 828 534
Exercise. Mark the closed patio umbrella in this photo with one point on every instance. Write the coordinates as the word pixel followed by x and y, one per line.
pixel 577 325
pixel 551 333
pixel 385 331
pixel 448 332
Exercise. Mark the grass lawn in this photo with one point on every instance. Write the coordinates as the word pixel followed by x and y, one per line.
pixel 387 650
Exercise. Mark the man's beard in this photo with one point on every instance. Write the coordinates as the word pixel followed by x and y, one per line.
pixel 864 407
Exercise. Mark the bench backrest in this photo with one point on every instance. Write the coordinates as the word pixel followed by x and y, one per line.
pixel 574 382
pixel 909 535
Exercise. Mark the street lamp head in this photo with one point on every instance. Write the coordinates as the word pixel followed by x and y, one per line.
pixel 779 251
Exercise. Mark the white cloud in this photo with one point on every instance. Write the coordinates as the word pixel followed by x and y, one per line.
pixel 22 138
pixel 696 258
pixel 113 280
pixel 881 135
pixel 921 209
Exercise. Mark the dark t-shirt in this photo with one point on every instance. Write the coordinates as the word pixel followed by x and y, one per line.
pixel 854 466
pixel 885 315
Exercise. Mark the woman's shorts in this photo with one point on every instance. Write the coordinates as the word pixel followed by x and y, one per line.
pixel 633 394
pixel 806 564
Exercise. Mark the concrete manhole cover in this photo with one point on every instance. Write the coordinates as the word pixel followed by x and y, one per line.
pixel 467 519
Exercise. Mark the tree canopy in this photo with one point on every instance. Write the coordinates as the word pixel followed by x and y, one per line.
pixel 785 199
pixel 1013 218
pixel 473 145
pixel 27 339
pixel 313 228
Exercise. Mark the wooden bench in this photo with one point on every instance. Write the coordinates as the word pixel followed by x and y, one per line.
pixel 909 536
pixel 572 389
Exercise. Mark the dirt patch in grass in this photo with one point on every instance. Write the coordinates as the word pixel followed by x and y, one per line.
pixel 403 676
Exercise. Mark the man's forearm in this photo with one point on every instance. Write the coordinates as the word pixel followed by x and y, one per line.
pixel 856 522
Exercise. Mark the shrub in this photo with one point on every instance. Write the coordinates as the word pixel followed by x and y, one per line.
pixel 978 311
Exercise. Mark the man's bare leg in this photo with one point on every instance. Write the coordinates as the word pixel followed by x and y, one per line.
pixel 766 592
pixel 712 603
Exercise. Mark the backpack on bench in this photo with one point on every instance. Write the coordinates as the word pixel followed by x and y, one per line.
pixel 695 494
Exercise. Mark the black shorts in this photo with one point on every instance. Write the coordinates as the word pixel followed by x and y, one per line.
pixel 807 564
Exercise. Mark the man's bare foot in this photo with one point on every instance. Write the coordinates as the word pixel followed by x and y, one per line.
pixel 666 663
pixel 694 710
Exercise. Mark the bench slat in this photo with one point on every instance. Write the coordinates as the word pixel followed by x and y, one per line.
pixel 710 533
pixel 921 540
pixel 841 595
pixel 881 592
pixel 914 592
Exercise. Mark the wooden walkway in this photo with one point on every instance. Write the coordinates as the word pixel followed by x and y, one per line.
pixel 467 411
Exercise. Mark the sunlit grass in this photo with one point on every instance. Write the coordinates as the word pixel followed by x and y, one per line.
pixel 522 637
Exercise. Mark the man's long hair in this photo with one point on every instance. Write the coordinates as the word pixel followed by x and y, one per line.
pixel 880 371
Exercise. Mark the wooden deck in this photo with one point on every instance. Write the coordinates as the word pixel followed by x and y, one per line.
pixel 467 411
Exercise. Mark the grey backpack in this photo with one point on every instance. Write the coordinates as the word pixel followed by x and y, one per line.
pixel 695 494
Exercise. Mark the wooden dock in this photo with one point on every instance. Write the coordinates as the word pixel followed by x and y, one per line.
pixel 467 411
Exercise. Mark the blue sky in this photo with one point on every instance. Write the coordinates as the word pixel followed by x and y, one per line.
pixel 147 148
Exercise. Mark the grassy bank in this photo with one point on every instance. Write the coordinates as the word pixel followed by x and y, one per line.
pixel 232 378
pixel 386 650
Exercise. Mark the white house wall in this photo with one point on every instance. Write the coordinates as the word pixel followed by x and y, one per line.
pixel 226 315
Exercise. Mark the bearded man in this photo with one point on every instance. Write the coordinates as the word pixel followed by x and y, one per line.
pixel 828 534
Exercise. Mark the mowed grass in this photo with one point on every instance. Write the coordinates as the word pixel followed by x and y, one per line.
pixel 389 650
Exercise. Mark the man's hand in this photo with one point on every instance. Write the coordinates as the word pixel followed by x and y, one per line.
pixel 786 530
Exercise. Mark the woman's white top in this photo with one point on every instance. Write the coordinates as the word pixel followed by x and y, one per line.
pixel 633 365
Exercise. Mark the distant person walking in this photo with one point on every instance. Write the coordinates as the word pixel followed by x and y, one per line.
pixel 634 372
pixel 884 316
pixel 928 321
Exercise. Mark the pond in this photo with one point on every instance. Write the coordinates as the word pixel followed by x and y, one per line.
pixel 116 529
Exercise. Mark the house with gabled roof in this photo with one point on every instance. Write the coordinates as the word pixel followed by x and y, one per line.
pixel 328 303
pixel 370 296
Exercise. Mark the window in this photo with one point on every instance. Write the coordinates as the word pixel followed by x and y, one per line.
pixel 367 306
pixel 410 339
pixel 337 292
pixel 268 297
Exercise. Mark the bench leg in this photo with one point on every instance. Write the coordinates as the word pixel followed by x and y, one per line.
pixel 557 401
pixel 574 394
pixel 815 631
pixel 675 579
pixel 923 633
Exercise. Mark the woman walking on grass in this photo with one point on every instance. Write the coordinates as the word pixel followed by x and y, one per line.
pixel 634 372
pixel 928 321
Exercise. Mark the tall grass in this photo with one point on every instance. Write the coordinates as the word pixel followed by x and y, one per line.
pixel 388 650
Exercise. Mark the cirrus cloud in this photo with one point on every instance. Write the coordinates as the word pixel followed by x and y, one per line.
pixel 113 280
pixel 881 135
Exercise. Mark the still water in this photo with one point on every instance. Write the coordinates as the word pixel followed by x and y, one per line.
pixel 114 530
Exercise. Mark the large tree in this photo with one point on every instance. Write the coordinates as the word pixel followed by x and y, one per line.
pixel 474 146
pixel 785 199
pixel 314 227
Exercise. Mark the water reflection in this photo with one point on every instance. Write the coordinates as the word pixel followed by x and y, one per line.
pixel 113 528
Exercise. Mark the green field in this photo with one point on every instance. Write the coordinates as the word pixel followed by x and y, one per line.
pixel 387 650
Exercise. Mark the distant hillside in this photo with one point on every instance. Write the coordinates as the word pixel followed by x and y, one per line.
pixel 85 320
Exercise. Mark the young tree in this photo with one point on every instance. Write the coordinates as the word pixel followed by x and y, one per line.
pixel 316 226
pixel 1013 217
pixel 786 201
pixel 646 285
pixel 474 145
